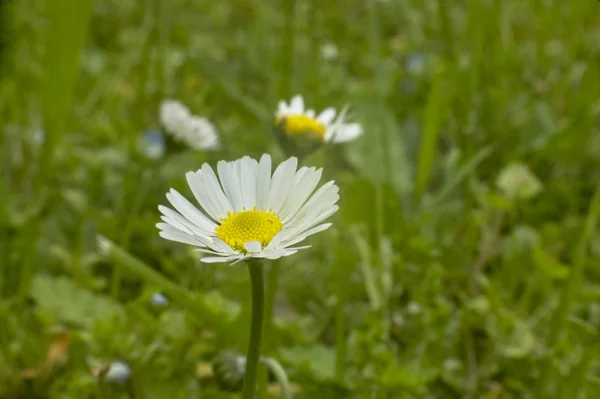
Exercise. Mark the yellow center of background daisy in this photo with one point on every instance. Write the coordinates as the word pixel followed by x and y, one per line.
pixel 244 226
pixel 301 124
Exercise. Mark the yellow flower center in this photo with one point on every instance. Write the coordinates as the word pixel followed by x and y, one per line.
pixel 302 124
pixel 243 226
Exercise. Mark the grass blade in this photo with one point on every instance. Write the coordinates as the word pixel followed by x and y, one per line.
pixel 434 115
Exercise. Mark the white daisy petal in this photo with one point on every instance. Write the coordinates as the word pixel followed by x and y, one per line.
pixel 281 183
pixel 300 226
pixel 326 116
pixel 189 211
pixel 178 225
pixel 270 254
pixel 206 251
pixel 171 214
pixel 282 108
pixel 201 192
pixel 219 259
pixel 347 132
pixel 304 187
pixel 260 215
pixel 174 235
pixel 248 176
pixel 221 246
pixel 230 184
pixel 253 246
pixel 297 105
pixel 326 195
pixel 280 253
pixel 220 201
pixel 236 173
pixel 309 232
pixel 200 240
pixel 263 182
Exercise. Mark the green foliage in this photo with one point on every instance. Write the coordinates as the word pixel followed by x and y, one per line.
pixel 463 262
pixel 58 298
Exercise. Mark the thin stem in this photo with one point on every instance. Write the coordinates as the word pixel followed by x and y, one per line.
pixel 258 305
pixel 271 294
pixel 272 283
pixel 487 245
pixel 280 374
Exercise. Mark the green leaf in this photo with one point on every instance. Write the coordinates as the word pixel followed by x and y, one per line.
pixel 197 306
pixel 318 361
pixel 409 376
pixel 173 324
pixel 59 298
pixel 435 113
pixel 520 343
pixel 219 304
pixel 548 265
pixel 521 240
pixel 459 176
pixel 518 182
pixel 64 39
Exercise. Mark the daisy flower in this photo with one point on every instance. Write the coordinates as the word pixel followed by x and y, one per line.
pixel 325 127
pixel 247 212
pixel 193 131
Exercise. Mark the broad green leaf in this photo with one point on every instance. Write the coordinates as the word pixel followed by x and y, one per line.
pixel 518 182
pixel 548 265
pixel 318 360
pixel 59 298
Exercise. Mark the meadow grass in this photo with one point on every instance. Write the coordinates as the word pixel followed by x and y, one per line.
pixel 464 260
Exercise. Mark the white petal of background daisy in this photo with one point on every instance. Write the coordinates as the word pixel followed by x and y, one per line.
pixel 193 131
pixel 249 212
pixel 325 125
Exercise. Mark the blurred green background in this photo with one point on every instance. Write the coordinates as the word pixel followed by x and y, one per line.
pixel 464 262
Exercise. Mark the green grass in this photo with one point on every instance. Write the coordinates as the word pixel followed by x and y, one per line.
pixel 439 279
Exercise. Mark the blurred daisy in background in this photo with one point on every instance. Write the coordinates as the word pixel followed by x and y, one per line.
pixel 247 212
pixel 193 131
pixel 327 126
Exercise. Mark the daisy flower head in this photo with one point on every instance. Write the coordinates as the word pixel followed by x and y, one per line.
pixel 193 131
pixel 249 212
pixel 300 126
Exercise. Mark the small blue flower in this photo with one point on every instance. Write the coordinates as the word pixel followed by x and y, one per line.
pixel 118 372
pixel 159 300
pixel 152 144
pixel 415 63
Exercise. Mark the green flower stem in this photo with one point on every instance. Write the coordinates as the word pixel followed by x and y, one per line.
pixel 271 294
pixel 258 307
pixel 280 374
